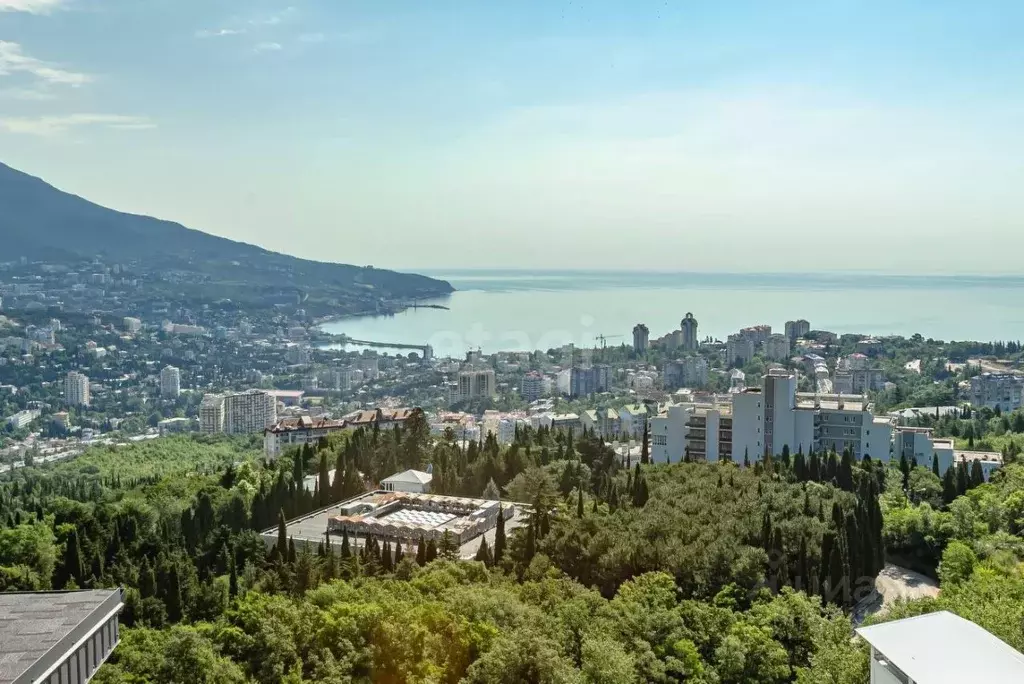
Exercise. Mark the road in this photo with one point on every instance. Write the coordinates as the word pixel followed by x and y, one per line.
pixel 895 583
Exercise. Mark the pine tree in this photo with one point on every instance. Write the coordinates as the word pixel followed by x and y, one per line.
pixel 499 537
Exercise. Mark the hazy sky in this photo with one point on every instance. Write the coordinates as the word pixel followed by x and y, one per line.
pixel 759 135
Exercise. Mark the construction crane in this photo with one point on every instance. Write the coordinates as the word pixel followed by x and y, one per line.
pixel 603 339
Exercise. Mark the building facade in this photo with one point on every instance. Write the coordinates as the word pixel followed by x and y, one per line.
pixel 295 432
pixel 797 329
pixel 211 414
pixel 248 412
pixel 76 389
pixel 776 347
pixel 170 382
pixel 477 384
pixel 739 349
pixel 641 338
pixel 532 387
pixel 690 371
pixel 997 390
pixel 589 380
pixel 688 328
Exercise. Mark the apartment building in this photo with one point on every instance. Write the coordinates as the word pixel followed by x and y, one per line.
pixel 248 412
pixel 300 431
pixel 997 390
pixel 641 338
pixel 690 371
pixel 170 382
pixel 604 422
pixel 632 419
pixel 132 325
pixel 22 419
pixel 858 380
pixel 589 380
pixel 76 389
pixel 739 349
pixel 776 347
pixel 688 327
pixel 211 414
pixel 532 386
pixel 797 329
pixel 477 384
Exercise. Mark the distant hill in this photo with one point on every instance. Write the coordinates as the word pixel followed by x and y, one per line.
pixel 40 222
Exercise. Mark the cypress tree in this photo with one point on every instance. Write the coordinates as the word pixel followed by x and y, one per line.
pixel 172 595
pixel 579 503
pixel 645 449
pixel 147 579
pixel 854 559
pixel 483 554
pixel 387 560
pixel 977 477
pixel 291 550
pixel 346 549
pixel 961 478
pixel 800 466
pixel 835 573
pixel 323 482
pixel 828 540
pixel 949 486
pixel 785 456
pixel 803 568
pixel 421 552
pixel 766 531
pixel 499 537
pixel 338 486
pixel 233 580
pixel 431 550
pixel 399 553
pixel 814 471
pixel 778 556
pixel 746 457
pixel 72 567
pixel 282 536
pixel 845 474
pixel 935 466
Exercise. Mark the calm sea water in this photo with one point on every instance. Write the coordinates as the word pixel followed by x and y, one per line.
pixel 522 311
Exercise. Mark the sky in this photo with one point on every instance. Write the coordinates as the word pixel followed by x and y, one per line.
pixel 816 135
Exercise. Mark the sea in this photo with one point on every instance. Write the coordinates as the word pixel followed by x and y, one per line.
pixel 510 310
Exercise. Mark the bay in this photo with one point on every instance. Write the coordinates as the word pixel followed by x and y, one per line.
pixel 512 310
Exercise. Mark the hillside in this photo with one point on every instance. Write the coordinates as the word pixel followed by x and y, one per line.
pixel 40 222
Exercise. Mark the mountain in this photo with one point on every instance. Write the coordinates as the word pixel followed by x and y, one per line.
pixel 40 222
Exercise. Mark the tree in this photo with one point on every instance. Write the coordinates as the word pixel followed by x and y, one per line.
pixel 935 466
pixel 499 537
pixel 746 457
pixel 579 503
pixel 324 482
pixel 431 550
pixel 977 476
pixel 958 563
pixel 421 552
pixel 233 580
pixel 282 536
pixel 448 549
pixel 483 554
pixel 645 449
pixel 71 566
pixel 949 491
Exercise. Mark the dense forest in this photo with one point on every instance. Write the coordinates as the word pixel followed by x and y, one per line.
pixel 624 572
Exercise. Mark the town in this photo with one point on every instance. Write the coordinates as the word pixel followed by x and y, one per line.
pixel 88 358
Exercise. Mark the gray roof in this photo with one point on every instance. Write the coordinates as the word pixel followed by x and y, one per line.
pixel 34 624
pixel 943 648
pixel 410 476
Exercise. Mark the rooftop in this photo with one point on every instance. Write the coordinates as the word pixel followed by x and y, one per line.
pixel 413 476
pixel 37 629
pixel 984 456
pixel 920 648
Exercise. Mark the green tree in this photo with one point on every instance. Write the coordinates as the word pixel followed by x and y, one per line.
pixel 499 537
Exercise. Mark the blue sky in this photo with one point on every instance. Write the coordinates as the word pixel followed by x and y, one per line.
pixel 784 135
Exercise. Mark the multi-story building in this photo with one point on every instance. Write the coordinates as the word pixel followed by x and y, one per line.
pixel 690 371
pixel 997 390
pixel 589 380
pixel 170 382
pixel 211 414
pixel 739 349
pixel 632 419
pixel 775 416
pixel 298 432
pixel 698 431
pixel 477 384
pixel 132 325
pixel 566 422
pixel 76 389
pixel 370 366
pixel 248 412
pixel 796 329
pixel 858 381
pixel 776 347
pixel 22 419
pixel 641 338
pixel 532 387
pixel 757 333
pixel 688 327
pixel 604 422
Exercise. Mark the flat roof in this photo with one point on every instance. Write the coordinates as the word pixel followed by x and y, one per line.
pixel 38 629
pixel 921 648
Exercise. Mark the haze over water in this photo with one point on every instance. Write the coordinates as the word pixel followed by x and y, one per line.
pixel 523 311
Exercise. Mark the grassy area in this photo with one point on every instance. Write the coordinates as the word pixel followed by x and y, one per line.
pixel 991 442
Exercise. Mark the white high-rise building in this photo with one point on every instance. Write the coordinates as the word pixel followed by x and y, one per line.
pixel 211 414
pixel 249 412
pixel 477 384
pixel 170 382
pixel 797 329
pixel 132 325
pixel 76 389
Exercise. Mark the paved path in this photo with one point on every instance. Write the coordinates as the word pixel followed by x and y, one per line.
pixel 895 583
